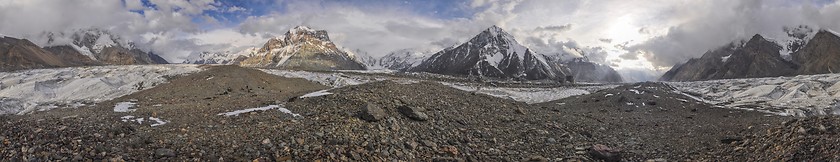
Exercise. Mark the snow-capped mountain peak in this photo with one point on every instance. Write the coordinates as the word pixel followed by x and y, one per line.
pixel 491 53
pixel 797 37
pixel 498 37
pixel 221 57
pixel 303 48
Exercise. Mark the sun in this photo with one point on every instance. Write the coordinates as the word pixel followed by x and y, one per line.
pixel 623 29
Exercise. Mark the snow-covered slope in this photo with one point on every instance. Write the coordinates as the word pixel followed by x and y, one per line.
pixel 370 62
pixel 803 95
pixel 223 57
pixel 527 95
pixel 404 59
pixel 797 38
pixel 44 89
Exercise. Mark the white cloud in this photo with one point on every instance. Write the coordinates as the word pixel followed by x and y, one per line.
pixel 236 9
pixel 134 4
pixel 375 31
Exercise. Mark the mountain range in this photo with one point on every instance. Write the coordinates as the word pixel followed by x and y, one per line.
pixel 805 52
pixel 79 48
pixel 492 53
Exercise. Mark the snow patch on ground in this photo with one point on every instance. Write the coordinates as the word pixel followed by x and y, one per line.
pixel 317 93
pixel 158 121
pixel 804 95
pixel 153 121
pixel 328 79
pixel 530 95
pixel 124 107
pixel 33 90
pixel 269 107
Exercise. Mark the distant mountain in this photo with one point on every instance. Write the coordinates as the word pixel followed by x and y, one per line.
pixel 71 56
pixel 303 48
pixel 101 46
pixel 820 55
pixel 225 57
pixel 584 70
pixel 404 59
pixel 19 54
pixel 492 53
pixel 365 58
pixel 758 57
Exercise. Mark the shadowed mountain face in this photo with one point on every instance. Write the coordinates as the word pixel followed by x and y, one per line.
pixel 71 56
pixel 80 48
pixel 19 54
pixel 303 48
pixel 492 53
pixel 821 55
pixel 586 71
pixel 758 57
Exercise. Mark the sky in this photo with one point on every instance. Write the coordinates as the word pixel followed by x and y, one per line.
pixel 640 38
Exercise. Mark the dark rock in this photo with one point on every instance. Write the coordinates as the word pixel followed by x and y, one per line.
pixel 730 140
pixel 447 159
pixel 372 112
pixel 162 152
pixel 413 112
pixel 535 158
pixel 428 143
pixel 411 144
pixel 602 152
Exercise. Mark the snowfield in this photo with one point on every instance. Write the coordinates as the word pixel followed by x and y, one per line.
pixel 804 95
pixel 43 89
pixel 527 95
pixel 531 95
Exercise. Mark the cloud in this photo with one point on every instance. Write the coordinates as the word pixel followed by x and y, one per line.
pixel 236 9
pixel 376 31
pixel 168 22
pixel 629 34
pixel 554 28
pixel 134 5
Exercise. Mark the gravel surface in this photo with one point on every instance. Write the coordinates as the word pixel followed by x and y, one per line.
pixel 228 113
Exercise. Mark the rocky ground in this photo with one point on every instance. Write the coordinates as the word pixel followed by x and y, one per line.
pixel 387 121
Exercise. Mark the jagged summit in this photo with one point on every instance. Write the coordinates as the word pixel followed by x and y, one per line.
pixel 491 53
pixel 757 57
pixel 301 33
pixel 303 48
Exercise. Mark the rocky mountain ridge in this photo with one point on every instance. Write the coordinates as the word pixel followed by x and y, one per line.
pixel 303 48
pixel 807 52
pixel 492 53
